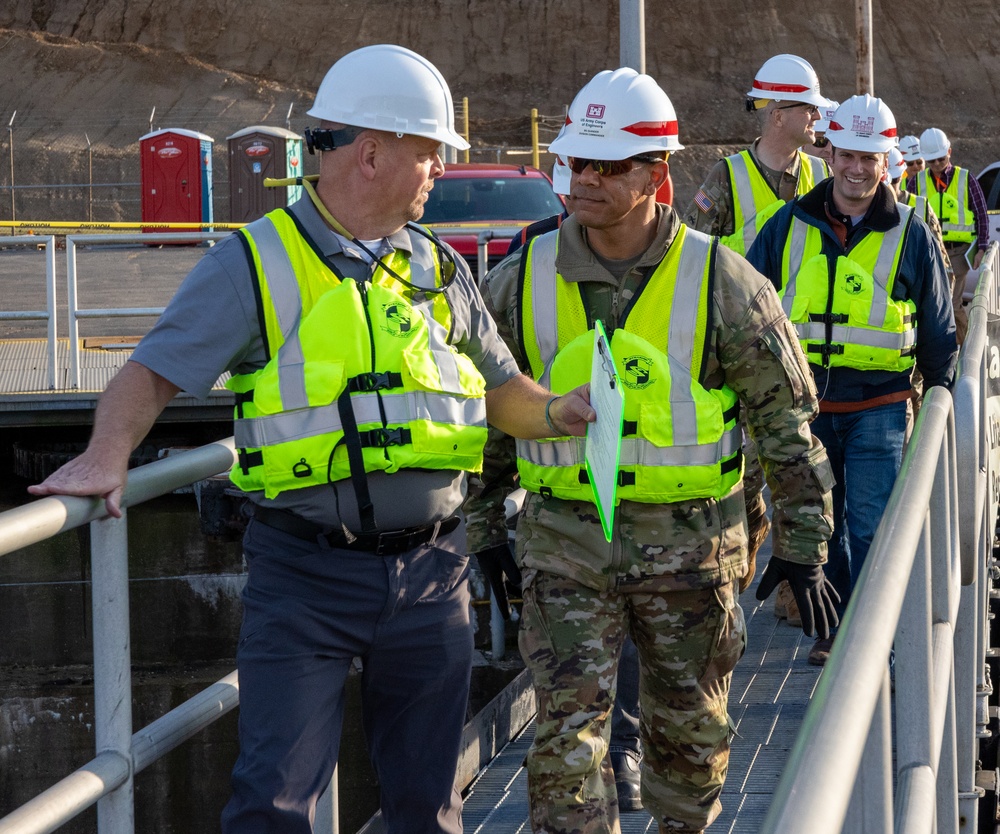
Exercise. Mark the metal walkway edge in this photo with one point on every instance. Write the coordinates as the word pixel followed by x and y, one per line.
pixel 771 688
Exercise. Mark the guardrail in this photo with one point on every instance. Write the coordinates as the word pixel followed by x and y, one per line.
pixel 75 313
pixel 49 314
pixel 922 593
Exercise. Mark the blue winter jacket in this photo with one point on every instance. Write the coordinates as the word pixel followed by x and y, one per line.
pixel 922 279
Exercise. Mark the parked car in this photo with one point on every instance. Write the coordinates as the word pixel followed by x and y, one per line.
pixel 989 181
pixel 471 197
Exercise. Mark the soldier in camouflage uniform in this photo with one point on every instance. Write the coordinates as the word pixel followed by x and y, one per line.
pixel 669 576
pixel 742 190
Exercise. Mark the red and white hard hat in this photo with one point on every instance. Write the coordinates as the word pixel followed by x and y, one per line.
pixel 822 124
pixel 896 166
pixel 391 88
pixel 561 175
pixel 863 123
pixel 616 115
pixel 909 146
pixel 934 143
pixel 787 78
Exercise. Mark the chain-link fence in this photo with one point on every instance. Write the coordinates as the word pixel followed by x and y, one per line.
pixel 92 173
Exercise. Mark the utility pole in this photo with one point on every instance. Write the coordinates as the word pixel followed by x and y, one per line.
pixel 632 34
pixel 866 67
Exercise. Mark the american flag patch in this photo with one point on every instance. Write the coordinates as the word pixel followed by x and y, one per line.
pixel 703 201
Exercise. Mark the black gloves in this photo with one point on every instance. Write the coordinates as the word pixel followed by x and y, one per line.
pixel 494 562
pixel 815 596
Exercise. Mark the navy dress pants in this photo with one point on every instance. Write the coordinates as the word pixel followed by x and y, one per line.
pixel 308 611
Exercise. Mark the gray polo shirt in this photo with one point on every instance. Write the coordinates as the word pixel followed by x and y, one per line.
pixel 211 326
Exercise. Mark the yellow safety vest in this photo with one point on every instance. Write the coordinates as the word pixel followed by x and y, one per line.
pixel 919 205
pixel 680 440
pixel 844 312
pixel 755 201
pixel 345 356
pixel 954 208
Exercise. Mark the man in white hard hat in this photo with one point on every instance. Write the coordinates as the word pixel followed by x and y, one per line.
pixel 956 197
pixel 364 368
pixel 743 190
pixel 865 287
pixel 678 539
pixel 909 147
pixel 821 145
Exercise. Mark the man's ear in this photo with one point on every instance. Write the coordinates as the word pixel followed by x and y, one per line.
pixel 658 176
pixel 368 150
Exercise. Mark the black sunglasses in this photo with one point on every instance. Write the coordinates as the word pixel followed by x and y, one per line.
pixel 610 167
pixel 821 142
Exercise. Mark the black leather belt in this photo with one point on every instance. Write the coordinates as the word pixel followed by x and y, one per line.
pixel 389 543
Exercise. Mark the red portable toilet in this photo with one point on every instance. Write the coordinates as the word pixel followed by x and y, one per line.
pixel 176 174
pixel 255 153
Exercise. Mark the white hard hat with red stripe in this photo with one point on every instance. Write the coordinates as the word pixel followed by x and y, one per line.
pixel 863 123
pixel 897 165
pixel 618 114
pixel 822 124
pixel 787 78
pixel 561 176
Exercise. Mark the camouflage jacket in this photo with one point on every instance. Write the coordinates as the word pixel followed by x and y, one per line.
pixel 696 543
pixel 712 211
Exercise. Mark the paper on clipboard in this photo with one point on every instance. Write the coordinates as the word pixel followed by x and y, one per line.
pixel 604 436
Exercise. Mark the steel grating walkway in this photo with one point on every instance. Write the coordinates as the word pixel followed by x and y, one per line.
pixel 771 689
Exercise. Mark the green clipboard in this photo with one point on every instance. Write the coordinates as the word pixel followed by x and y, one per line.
pixel 603 446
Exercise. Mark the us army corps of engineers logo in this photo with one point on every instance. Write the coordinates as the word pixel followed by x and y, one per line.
pixel 638 370
pixel 397 320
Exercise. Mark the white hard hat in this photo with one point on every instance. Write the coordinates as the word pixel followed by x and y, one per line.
pixel 787 78
pixel 616 115
pixel 863 123
pixel 909 146
pixel 822 125
pixel 934 143
pixel 560 175
pixel 897 165
pixel 388 87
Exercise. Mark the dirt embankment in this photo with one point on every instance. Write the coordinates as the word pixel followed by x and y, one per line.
pixel 99 67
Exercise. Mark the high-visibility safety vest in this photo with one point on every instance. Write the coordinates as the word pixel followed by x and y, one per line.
pixel 363 360
pixel 953 206
pixel 918 204
pixel 755 201
pixel 680 440
pixel 842 307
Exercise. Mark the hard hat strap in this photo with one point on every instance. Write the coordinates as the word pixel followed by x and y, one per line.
pixel 328 139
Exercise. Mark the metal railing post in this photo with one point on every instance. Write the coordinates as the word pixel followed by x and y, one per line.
pixel 51 295
pixel 71 303
pixel 112 665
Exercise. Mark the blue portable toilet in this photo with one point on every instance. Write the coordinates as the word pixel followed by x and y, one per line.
pixel 256 153
pixel 176 174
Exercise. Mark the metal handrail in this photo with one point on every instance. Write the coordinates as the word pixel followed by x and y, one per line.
pixel 47 315
pixel 921 593
pixel 107 779
pixel 75 313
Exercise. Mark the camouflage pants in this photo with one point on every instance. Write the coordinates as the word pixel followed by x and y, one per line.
pixel 688 642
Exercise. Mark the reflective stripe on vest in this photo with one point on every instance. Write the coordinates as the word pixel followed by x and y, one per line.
pixel 755 201
pixel 803 248
pixel 671 310
pixel 954 209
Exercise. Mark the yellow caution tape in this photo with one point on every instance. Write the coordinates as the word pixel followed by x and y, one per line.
pixel 58 224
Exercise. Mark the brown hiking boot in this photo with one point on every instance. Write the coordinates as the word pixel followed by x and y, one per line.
pixel 785 606
pixel 820 651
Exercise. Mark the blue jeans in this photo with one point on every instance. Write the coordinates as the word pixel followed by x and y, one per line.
pixel 625 714
pixel 865 450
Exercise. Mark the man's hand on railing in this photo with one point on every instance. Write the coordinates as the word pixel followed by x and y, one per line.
pixel 87 475
pixel 815 595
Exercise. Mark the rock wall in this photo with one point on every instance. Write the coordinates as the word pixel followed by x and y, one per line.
pixel 107 63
